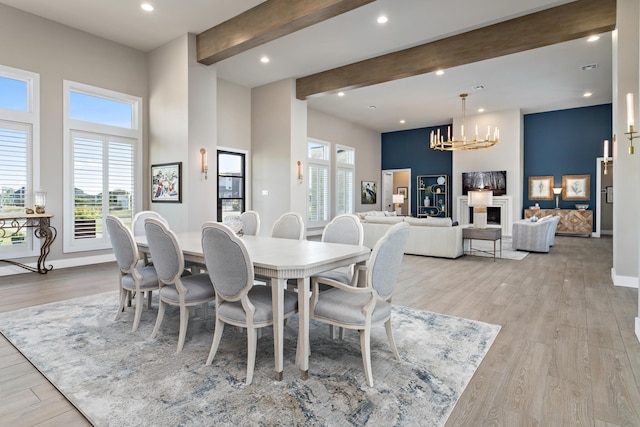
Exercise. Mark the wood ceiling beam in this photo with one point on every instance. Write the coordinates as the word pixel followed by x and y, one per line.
pixel 264 23
pixel 556 25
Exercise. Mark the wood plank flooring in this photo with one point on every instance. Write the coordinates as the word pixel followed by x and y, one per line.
pixel 567 354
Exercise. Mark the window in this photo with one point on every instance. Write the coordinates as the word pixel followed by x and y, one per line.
pixel 318 181
pixel 19 154
pixel 345 171
pixel 103 145
pixel 231 184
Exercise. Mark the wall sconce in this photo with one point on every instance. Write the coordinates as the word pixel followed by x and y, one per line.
pixel 630 122
pixel 557 191
pixel 606 156
pixel 300 172
pixel 205 162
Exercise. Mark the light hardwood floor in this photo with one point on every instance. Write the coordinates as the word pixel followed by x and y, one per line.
pixel 567 354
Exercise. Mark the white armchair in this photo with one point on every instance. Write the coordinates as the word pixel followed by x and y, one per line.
pixel 534 236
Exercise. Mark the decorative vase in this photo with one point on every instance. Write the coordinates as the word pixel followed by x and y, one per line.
pixel 426 201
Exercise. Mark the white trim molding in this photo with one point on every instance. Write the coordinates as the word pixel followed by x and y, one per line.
pixel 624 281
pixel 505 203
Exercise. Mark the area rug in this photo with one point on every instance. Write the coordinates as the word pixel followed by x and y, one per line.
pixel 484 248
pixel 116 377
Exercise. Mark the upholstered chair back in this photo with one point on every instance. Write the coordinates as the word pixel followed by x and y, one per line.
pixel 345 228
pixel 250 223
pixel 137 224
pixel 289 226
pixel 386 259
pixel 124 247
pixel 168 259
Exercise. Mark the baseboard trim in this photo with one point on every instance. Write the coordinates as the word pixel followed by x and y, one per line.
pixel 9 270
pixel 623 281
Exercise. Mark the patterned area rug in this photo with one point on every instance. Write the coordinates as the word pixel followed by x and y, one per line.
pixel 116 377
pixel 484 248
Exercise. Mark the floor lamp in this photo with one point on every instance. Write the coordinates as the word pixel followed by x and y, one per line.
pixel 480 200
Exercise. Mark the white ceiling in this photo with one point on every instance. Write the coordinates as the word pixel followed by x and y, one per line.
pixel 538 80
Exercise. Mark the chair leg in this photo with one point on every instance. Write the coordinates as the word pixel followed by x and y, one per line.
pixel 217 336
pixel 161 308
pixel 138 314
pixel 123 301
pixel 204 310
pixel 184 322
pixel 392 341
pixel 252 344
pixel 149 299
pixel 365 343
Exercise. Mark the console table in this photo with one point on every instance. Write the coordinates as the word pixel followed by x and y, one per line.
pixel 490 233
pixel 572 221
pixel 12 224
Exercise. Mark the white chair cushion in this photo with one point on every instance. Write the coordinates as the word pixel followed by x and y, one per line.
pixel 345 307
pixel 260 297
pixel 199 288
pixel 149 279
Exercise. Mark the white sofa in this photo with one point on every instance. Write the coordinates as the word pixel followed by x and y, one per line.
pixel 427 236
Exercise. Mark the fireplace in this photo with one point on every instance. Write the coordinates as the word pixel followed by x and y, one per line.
pixel 493 215
pixel 504 217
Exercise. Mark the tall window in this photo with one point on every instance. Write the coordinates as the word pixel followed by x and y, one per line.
pixel 345 171
pixel 19 154
pixel 103 145
pixel 318 179
pixel 231 184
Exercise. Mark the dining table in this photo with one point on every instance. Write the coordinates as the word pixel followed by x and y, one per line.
pixel 281 260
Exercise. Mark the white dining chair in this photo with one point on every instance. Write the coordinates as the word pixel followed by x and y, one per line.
pixel 135 279
pixel 176 288
pixel 346 229
pixel 238 302
pixel 250 223
pixel 360 308
pixel 137 226
pixel 290 225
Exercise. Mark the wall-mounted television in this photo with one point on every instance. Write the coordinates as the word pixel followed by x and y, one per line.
pixel 495 181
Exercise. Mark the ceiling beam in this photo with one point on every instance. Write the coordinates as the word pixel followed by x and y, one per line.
pixel 264 23
pixel 556 25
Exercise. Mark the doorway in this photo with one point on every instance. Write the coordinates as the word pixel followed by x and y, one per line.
pixel 604 198
pixel 396 181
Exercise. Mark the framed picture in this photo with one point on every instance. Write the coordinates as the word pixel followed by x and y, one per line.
pixel 609 198
pixel 575 187
pixel 368 192
pixel 404 191
pixel 540 188
pixel 166 183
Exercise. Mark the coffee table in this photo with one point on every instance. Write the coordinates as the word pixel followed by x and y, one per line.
pixel 490 233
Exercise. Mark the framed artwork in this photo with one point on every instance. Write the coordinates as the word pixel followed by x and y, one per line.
pixel 541 188
pixel 609 198
pixel 368 192
pixel 404 191
pixel 575 187
pixel 166 183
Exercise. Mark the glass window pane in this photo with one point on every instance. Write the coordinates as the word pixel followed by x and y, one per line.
pixel 13 168
pixel 345 155
pixel 105 111
pixel 87 177
pixel 318 150
pixel 230 164
pixel 230 187
pixel 13 94
pixel 232 207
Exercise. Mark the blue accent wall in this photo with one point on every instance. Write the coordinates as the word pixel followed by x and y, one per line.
pixel 565 142
pixel 410 149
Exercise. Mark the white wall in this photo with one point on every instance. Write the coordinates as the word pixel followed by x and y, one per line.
pixel 506 155
pixel 272 140
pixel 58 53
pixel 366 142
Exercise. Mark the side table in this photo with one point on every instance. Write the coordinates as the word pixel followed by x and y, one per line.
pixel 490 233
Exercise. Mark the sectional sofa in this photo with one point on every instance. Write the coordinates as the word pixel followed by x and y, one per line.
pixel 436 237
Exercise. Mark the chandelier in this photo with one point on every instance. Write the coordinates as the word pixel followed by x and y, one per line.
pixel 437 141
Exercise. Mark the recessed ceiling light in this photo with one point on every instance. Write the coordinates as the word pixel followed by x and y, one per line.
pixel 480 110
pixel 478 87
pixel 593 38
pixel 402 121
pixel 439 72
pixel 147 7
pixel 340 93
pixel 372 107
pixel 587 94
pixel 382 19
pixel 264 59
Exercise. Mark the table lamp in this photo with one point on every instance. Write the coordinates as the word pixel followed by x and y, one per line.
pixel 557 191
pixel 398 200
pixel 480 200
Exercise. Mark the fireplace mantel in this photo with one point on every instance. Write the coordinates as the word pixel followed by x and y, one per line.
pixel 503 202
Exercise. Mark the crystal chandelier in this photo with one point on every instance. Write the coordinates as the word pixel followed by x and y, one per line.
pixel 437 141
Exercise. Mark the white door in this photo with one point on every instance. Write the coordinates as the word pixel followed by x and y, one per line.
pixel 387 191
